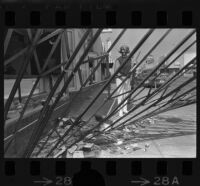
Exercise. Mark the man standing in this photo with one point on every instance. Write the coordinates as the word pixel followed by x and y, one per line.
pixel 124 50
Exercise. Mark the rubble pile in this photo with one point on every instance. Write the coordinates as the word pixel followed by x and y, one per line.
pixel 115 141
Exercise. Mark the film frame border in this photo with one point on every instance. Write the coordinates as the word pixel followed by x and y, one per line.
pixel 185 18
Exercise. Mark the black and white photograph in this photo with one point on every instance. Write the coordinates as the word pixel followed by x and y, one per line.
pixel 99 93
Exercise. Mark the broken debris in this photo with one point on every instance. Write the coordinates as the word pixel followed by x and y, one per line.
pixel 72 149
pixel 78 154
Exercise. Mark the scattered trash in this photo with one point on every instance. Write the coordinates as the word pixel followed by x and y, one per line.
pixel 127 147
pixel 80 145
pixel 119 142
pixel 136 148
pixel 78 154
pixel 12 106
pixel 98 117
pixel 53 140
pixel 20 106
pixel 69 155
pixel 117 133
pixel 88 136
pixel 87 147
pixel 13 114
pixel 134 145
pixel 104 126
pixel 102 140
pixel 65 119
pixel 146 147
pixel 173 120
pixel 137 131
pixel 92 154
pixel 43 101
pixel 52 101
pixel 126 129
pixel 72 149
pixel 132 127
pixel 63 148
pixel 151 121
pixel 127 136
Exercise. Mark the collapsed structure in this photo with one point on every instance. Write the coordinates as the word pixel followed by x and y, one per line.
pixel 74 84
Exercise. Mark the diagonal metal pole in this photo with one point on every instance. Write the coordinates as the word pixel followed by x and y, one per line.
pixel 46 141
pixel 11 59
pixel 166 104
pixel 66 111
pixel 32 91
pixel 148 108
pixel 110 48
pixel 113 44
pixel 141 61
pixel 65 86
pixel 157 67
pixel 162 62
pixel 7 40
pixel 174 78
pixel 167 83
pixel 69 62
pixel 34 53
pixel 160 88
pixel 112 128
pixel 63 64
pixel 154 104
pixel 42 121
pixel 175 100
pixel 155 112
pixel 171 62
pixel 108 82
pixel 56 32
pixel 128 120
pixel 20 75
pixel 145 109
pixel 117 71
pixel 182 42
pixel 84 84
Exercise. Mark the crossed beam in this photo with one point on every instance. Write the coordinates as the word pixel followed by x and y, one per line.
pixel 175 49
pixel 48 109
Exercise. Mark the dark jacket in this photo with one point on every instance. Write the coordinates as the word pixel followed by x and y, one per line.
pixel 125 70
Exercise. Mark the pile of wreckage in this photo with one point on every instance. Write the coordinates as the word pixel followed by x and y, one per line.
pixel 91 146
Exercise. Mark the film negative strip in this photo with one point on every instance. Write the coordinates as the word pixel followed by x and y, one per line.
pixel 99 93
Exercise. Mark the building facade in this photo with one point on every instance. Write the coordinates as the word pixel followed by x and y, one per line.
pixel 66 46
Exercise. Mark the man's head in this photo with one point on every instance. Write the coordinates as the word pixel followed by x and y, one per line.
pixel 124 50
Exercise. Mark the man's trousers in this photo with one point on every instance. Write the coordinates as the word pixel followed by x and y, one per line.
pixel 123 88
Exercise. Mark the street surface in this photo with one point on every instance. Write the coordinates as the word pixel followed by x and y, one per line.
pixel 173 135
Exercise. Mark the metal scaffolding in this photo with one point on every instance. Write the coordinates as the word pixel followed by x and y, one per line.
pixel 157 100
